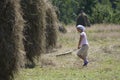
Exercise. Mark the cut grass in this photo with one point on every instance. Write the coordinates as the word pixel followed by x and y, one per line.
pixel 104 55
pixel 101 73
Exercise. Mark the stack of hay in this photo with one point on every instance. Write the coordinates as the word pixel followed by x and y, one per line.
pixel 40 30
pixel 51 26
pixel 26 26
pixel 11 38
pixel 34 31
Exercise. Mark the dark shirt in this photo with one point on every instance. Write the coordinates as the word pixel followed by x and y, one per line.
pixel 83 20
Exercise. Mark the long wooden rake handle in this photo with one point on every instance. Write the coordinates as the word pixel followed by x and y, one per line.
pixel 66 53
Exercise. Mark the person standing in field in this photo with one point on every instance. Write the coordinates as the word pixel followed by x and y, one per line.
pixel 83 44
pixel 82 19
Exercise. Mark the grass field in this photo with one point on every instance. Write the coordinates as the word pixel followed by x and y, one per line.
pixel 104 57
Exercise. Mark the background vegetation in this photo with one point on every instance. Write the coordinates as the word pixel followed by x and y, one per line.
pixel 99 11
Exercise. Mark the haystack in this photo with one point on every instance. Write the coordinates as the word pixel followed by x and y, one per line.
pixel 11 44
pixel 51 26
pixel 34 31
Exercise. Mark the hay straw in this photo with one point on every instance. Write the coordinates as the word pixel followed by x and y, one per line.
pixel 34 31
pixel 51 26
pixel 11 27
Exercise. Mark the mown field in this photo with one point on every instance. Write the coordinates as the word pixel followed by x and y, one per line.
pixel 104 57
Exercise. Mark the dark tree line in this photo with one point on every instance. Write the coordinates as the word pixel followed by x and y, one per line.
pixel 105 11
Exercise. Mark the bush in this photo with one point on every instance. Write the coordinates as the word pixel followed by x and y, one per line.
pixel 116 17
pixel 102 14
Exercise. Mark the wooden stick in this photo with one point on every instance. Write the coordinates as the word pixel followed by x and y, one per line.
pixel 66 53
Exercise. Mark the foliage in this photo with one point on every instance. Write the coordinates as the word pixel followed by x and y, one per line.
pixel 69 9
pixel 102 14
pixel 116 16
pixel 86 5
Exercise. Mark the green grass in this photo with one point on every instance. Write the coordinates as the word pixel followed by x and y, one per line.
pixel 106 72
pixel 104 57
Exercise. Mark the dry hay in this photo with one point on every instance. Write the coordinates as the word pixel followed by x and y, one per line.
pixel 11 27
pixel 40 29
pixel 34 31
pixel 51 26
